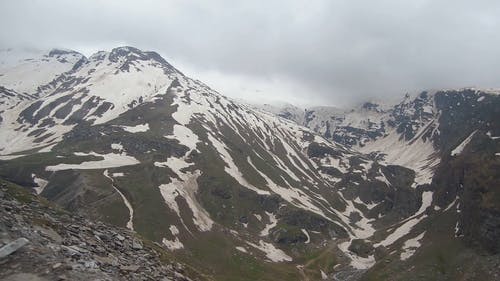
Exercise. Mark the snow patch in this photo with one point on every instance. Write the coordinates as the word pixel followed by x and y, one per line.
pixel 492 137
pixel 368 206
pixel 272 223
pixel 458 150
pixel 241 249
pixel 363 228
pixel 173 245
pixel 175 164
pixel 130 223
pixel 186 187
pixel 408 225
pixel 10 157
pixel 357 262
pixel 40 182
pixel 185 136
pixel 307 235
pixel 231 167
pixel 117 146
pixel 272 253
pixel 416 154
pixel 451 204
pixel 457 229
pixel 48 148
pixel 411 246
pixel 174 230
pixel 336 163
pixel 293 195
pixel 111 160
pixel 137 128
pixel 381 177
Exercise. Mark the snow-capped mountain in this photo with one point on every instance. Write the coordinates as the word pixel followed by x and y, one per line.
pixel 427 133
pixel 408 133
pixel 351 127
pixel 125 137
pixel 41 69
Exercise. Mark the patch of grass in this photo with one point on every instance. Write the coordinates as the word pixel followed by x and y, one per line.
pixel 320 259
pixel 441 257
pixel 228 264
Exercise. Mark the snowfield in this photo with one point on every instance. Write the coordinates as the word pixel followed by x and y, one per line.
pixel 110 160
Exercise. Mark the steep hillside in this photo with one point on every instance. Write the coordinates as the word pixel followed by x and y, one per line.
pixel 51 244
pixel 449 139
pixel 236 192
pixel 413 133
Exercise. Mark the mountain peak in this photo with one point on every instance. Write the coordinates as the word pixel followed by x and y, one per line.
pixel 128 54
pixel 124 51
pixel 59 52
pixel 124 137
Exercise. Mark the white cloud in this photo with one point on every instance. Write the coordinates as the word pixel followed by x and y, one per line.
pixel 334 51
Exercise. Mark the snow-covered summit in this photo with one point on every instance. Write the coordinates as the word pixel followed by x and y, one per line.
pixel 65 88
pixel 40 66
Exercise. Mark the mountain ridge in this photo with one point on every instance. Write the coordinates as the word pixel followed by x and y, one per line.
pixel 128 139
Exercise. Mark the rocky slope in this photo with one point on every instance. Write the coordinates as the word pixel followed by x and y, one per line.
pixel 62 246
pixel 237 192
pixel 415 133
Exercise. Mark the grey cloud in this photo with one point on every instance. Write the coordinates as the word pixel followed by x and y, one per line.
pixel 341 51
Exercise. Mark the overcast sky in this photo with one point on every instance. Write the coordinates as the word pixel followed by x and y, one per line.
pixel 310 52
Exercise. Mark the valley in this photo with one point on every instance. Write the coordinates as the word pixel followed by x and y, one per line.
pixel 237 191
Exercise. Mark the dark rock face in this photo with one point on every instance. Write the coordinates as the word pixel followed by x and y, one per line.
pixel 309 116
pixel 469 183
pixel 350 136
pixel 45 111
pixel 79 64
pixel 337 126
pixel 318 150
pixel 58 52
pixel 462 112
pixel 361 247
pixel 10 98
pixel 479 217
pixel 5 93
pixel 455 111
pixel 450 116
pixel 130 54
pixel 105 106
pixel 489 229
pixel 27 114
pixel 370 106
pixel 78 115
pixel 287 235
pixel 297 219
pixel 63 55
pixel 410 115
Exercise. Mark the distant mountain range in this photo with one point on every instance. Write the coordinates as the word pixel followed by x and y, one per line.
pixel 259 192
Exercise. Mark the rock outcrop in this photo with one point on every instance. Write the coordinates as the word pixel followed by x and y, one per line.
pixel 56 245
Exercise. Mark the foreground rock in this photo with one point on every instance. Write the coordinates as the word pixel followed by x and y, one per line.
pixel 12 247
pixel 40 242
